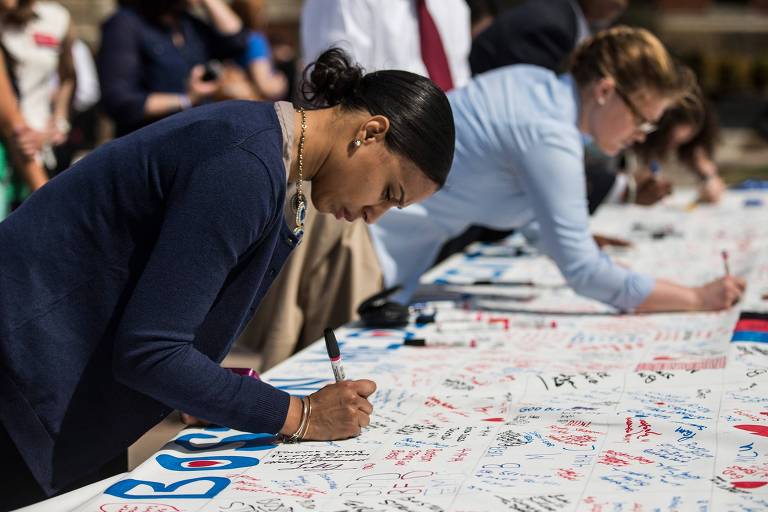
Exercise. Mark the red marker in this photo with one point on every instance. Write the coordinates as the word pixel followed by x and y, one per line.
pixel 725 263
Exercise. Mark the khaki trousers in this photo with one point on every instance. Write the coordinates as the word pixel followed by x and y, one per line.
pixel 332 270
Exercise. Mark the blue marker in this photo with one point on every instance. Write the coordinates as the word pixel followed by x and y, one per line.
pixel 655 167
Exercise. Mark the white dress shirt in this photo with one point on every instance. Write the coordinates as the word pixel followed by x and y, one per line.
pixel 384 34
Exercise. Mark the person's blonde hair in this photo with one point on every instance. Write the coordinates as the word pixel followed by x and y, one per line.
pixel 635 59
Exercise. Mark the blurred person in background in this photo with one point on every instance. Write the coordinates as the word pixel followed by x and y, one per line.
pixel 153 56
pixel 689 131
pixel 268 83
pixel 84 120
pixel 691 134
pixel 37 37
pixel 541 33
pixel 427 37
pixel 482 14
pixel 19 170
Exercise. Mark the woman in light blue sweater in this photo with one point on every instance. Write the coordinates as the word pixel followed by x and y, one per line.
pixel 520 133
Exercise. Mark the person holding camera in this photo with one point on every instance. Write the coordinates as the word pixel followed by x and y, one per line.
pixel 156 58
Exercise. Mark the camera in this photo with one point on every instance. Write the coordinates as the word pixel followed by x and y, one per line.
pixel 212 71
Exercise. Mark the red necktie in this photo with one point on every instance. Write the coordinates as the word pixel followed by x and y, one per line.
pixel 432 51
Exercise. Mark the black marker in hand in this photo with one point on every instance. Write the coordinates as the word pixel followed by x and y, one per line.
pixel 334 355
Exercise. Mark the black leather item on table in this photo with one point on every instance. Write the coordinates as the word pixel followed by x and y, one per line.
pixel 377 311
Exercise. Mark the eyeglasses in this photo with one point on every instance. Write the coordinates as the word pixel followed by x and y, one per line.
pixel 642 123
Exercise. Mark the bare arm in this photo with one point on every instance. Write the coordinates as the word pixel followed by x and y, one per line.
pixel 716 295
pixel 222 16
pixel 161 104
pixel 13 127
pixel 9 111
pixel 62 96
pixel 712 185
pixel 270 84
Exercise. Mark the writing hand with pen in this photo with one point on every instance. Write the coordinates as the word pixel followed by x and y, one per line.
pixel 724 292
pixel 652 188
pixel 338 411
pixel 721 293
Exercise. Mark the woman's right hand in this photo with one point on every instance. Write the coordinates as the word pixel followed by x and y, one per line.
pixel 721 293
pixel 340 410
pixel 651 189
pixel 198 90
pixel 29 141
pixel 711 189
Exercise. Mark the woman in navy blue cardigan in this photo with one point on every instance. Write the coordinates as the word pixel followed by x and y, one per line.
pixel 152 54
pixel 124 281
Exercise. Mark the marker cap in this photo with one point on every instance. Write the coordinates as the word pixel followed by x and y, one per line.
pixel 331 344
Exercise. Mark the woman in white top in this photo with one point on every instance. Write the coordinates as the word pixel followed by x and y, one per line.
pixel 37 36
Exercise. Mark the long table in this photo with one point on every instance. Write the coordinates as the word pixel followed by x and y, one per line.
pixel 526 397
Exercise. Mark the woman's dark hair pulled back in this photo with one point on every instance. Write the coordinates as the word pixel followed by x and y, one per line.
pixel 420 117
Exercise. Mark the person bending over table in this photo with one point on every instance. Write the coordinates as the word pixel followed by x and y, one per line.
pixel 690 133
pixel 124 280
pixel 689 130
pixel 519 158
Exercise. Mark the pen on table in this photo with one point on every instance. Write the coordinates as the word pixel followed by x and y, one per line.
pixel 724 254
pixel 455 343
pixel 480 282
pixel 333 354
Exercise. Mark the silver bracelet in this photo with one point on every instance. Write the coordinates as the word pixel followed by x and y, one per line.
pixel 184 102
pixel 297 436
pixel 309 416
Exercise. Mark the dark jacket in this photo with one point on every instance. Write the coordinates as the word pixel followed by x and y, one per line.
pixel 538 32
pixel 124 281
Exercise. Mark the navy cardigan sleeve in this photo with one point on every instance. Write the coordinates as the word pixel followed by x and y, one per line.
pixel 213 215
